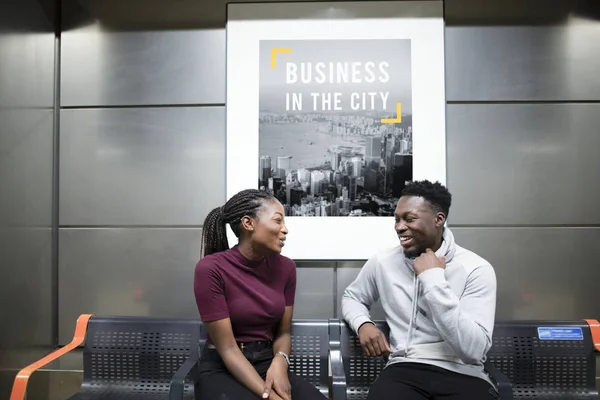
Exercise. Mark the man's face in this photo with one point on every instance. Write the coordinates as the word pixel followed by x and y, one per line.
pixel 418 225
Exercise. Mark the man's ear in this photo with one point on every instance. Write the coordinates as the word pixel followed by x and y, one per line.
pixel 440 219
pixel 247 223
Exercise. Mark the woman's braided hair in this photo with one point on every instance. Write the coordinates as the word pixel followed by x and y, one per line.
pixel 214 232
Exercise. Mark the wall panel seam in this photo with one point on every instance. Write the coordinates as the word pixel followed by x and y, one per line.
pixel 129 106
pixel 522 102
pixel 55 208
pixel 526 226
pixel 88 227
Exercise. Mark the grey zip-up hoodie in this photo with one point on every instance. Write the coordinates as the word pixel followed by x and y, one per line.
pixel 443 317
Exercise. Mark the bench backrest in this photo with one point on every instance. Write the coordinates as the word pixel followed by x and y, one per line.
pixel 310 351
pixel 360 370
pixel 137 354
pixel 546 359
pixel 542 359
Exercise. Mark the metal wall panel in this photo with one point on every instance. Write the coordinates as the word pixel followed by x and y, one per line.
pixel 520 164
pixel 25 289
pixel 142 68
pixel 523 62
pixel 26 129
pixel 126 272
pixel 346 274
pixel 542 273
pixel 314 290
pixel 151 166
pixel 26 55
pixel 26 167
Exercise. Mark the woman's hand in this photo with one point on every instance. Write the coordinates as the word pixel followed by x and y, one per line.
pixel 277 379
pixel 274 396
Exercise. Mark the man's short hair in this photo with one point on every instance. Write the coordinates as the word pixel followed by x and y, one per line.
pixel 435 193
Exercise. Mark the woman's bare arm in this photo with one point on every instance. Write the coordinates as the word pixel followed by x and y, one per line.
pixel 221 334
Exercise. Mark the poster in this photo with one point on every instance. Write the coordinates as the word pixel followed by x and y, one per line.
pixel 334 115
pixel 335 125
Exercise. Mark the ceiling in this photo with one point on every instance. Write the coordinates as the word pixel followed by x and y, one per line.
pixel 202 14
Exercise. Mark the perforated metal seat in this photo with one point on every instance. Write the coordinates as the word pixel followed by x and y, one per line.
pixel 136 357
pixel 361 371
pixel 547 364
pixel 310 352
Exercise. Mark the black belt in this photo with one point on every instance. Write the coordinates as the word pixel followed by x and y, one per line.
pixel 255 346
pixel 251 346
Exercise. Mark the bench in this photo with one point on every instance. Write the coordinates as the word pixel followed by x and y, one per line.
pixel 359 370
pixel 555 364
pixel 145 357
pixel 128 357
pixel 155 358
pixel 548 359
pixel 309 358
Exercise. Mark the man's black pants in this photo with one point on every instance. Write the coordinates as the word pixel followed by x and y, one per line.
pixel 416 381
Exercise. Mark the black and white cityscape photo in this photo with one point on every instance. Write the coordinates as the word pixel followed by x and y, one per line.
pixel 335 129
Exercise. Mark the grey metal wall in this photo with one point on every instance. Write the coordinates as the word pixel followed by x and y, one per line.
pixel 523 113
pixel 26 171
pixel 142 155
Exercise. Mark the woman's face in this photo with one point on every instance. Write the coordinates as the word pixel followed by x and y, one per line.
pixel 269 228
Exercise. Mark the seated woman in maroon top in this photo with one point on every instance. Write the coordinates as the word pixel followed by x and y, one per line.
pixel 245 297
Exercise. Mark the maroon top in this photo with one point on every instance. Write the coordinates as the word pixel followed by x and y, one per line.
pixel 253 294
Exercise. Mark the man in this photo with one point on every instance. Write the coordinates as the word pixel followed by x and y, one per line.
pixel 439 301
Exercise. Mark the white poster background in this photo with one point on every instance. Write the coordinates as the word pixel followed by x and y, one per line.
pixel 335 238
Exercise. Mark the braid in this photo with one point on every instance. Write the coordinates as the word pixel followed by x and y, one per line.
pixel 214 234
pixel 244 203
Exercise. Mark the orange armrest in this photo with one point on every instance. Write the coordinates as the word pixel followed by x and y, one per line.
pixel 595 329
pixel 20 385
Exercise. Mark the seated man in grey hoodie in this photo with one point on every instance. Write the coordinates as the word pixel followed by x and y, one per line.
pixel 439 301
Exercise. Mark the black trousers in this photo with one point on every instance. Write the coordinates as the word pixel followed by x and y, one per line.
pixel 214 382
pixel 416 381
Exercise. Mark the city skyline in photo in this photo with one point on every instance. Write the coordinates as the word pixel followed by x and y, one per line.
pixel 323 148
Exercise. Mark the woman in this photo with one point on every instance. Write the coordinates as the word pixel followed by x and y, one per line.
pixel 245 296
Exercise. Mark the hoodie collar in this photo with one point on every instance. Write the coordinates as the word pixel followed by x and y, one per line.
pixel 448 247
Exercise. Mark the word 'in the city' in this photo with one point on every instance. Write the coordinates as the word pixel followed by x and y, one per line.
pixel 333 101
pixel 337 73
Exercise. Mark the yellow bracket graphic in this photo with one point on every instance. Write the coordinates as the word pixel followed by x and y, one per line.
pixel 274 52
pixel 398 118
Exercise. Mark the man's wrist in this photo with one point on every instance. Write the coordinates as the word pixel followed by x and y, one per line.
pixel 359 321
pixel 363 324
